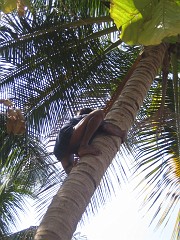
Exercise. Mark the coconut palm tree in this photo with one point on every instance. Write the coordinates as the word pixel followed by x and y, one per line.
pixel 74 196
pixel 59 85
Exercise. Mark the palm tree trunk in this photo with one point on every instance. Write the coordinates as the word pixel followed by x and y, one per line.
pixel 67 207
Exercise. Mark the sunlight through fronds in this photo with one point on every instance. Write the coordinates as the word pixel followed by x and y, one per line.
pixel 155 135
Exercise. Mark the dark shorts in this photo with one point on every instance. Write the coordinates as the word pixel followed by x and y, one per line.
pixel 62 142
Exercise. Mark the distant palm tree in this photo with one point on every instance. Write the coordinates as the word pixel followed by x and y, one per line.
pixel 62 58
pixel 30 232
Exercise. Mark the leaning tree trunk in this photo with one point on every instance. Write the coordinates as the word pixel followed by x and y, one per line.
pixel 68 205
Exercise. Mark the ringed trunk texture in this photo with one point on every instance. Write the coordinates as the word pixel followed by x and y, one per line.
pixel 70 202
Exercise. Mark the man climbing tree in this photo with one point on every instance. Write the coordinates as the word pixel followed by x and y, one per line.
pixel 76 135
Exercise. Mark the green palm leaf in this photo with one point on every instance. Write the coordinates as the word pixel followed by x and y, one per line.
pixel 156 136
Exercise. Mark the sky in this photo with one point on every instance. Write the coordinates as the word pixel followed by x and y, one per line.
pixel 119 219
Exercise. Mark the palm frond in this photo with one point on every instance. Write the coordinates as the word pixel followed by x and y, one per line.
pixel 157 156
pixel 47 75
pixel 25 168
pixel 176 231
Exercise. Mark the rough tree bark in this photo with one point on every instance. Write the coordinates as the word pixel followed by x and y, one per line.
pixel 68 205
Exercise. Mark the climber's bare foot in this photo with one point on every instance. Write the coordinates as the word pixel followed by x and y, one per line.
pixel 114 130
pixel 89 149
